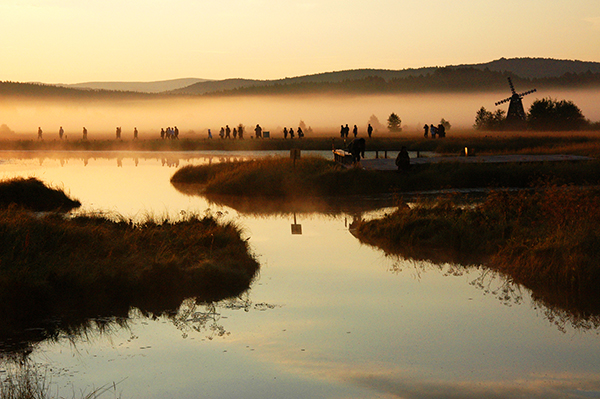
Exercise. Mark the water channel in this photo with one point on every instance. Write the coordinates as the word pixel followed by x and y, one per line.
pixel 326 317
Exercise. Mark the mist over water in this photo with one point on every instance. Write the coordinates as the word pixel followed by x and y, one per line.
pixel 193 116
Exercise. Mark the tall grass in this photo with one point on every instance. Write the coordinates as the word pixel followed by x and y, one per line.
pixel 55 268
pixel 546 239
pixel 33 194
pixel 311 176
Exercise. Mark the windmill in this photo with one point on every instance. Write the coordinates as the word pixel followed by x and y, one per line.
pixel 516 112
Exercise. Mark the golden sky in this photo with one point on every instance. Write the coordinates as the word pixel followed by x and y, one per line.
pixel 71 41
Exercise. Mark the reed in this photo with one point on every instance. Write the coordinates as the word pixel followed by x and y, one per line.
pixel 545 238
pixel 34 195
pixel 72 269
pixel 311 176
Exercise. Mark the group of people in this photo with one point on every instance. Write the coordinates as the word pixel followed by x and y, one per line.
pixel 226 132
pixel 61 133
pixel 170 133
pixel 345 131
pixel 291 132
pixel 439 131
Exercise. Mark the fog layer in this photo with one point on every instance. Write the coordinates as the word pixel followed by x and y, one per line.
pixel 193 116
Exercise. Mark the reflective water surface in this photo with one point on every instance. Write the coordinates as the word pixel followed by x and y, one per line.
pixel 326 317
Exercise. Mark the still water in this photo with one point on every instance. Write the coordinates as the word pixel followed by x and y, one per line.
pixel 326 317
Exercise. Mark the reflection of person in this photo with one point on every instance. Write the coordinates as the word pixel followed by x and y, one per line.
pixel 403 160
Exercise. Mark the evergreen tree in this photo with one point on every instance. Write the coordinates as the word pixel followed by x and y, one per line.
pixel 394 123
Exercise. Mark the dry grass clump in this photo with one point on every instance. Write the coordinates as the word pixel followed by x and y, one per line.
pixel 33 194
pixel 269 177
pixel 545 238
pixel 53 267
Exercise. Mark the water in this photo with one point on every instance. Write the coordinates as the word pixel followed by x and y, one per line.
pixel 327 316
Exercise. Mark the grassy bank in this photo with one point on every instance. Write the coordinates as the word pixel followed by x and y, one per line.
pixel 581 143
pixel 34 195
pixel 546 239
pixel 280 178
pixel 57 272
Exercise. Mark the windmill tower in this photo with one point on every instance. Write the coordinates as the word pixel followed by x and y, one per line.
pixel 516 112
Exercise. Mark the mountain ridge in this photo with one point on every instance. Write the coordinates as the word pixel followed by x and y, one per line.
pixel 528 68
pixel 466 77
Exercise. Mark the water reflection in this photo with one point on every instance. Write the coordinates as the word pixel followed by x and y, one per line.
pixel 268 206
pixel 30 317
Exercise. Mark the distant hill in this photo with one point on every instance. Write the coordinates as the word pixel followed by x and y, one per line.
pixel 526 73
pixel 143 87
pixel 327 77
pixel 533 68
pixel 527 68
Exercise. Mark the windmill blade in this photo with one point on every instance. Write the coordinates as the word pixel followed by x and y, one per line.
pixel 512 88
pixel 503 101
pixel 527 92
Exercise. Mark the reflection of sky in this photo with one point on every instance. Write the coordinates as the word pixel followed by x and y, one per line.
pixel 343 322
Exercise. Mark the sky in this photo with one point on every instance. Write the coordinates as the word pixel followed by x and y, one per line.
pixel 73 41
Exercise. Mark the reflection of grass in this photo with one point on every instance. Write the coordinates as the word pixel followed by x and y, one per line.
pixel 35 195
pixel 278 178
pixel 72 269
pixel 546 239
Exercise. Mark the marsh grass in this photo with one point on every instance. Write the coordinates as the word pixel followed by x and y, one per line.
pixel 277 177
pixel 73 269
pixel 34 195
pixel 582 143
pixel 544 238
pixel 25 380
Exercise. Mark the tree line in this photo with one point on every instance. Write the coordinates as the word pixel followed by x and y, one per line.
pixel 545 114
pixel 446 79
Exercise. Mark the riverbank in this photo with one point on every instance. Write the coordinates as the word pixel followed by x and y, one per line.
pixel 577 143
pixel 57 272
pixel 282 178
pixel 544 238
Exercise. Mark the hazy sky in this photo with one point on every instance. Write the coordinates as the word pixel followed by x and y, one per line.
pixel 70 41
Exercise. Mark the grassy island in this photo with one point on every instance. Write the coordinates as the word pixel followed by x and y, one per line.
pixel 280 178
pixel 57 271
pixel 545 238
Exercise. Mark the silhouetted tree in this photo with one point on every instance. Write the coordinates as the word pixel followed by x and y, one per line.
pixel 549 114
pixel 487 120
pixel 394 123
pixel 374 121
pixel 446 124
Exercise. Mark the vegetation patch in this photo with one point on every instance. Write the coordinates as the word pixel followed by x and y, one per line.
pixel 57 272
pixel 34 195
pixel 545 238
pixel 281 178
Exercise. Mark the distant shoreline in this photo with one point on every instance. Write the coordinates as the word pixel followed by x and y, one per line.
pixel 482 143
